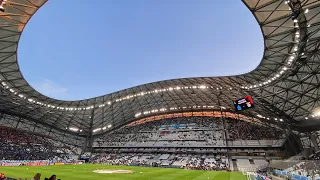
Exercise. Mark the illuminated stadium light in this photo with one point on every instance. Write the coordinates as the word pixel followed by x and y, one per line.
pixel 109 126
pixel 306 11
pixel 73 129
pixel 317 113
pixel 289 60
pixel 104 128
pixel 96 130
pixel 306 118
pixel 154 110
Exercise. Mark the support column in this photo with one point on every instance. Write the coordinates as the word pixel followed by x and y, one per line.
pixel 224 127
pixel 313 139
pixel 223 121
pixel 89 139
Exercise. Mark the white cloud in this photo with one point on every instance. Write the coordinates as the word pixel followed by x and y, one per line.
pixel 50 88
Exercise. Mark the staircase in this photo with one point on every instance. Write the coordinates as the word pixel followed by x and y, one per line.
pixel 235 166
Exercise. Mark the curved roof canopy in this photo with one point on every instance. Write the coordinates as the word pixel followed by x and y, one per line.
pixel 285 85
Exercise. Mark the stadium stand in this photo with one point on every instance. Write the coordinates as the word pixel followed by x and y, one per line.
pixel 194 132
pixel 21 145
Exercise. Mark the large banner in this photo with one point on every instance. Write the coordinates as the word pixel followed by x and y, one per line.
pixel 23 163
pixel 38 163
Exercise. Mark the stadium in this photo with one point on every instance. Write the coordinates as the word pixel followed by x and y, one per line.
pixel 259 125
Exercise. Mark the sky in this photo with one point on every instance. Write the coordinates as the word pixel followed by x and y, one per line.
pixel 72 50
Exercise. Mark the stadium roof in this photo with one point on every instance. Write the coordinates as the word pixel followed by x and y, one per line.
pixel 285 85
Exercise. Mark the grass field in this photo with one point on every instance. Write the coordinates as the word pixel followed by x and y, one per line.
pixel 76 172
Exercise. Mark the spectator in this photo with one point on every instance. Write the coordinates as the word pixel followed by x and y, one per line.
pixel 2 176
pixel 53 177
pixel 37 176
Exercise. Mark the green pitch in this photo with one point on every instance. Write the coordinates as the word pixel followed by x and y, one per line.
pixel 85 172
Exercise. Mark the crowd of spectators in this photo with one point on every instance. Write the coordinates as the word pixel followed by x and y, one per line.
pixel 242 130
pixel 315 156
pixel 188 131
pixel 22 145
pixel 37 176
pixel 198 163
pixel 190 161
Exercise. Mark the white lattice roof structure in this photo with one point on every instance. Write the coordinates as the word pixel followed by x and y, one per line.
pixel 285 85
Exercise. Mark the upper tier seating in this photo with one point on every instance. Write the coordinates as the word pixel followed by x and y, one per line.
pixel 193 132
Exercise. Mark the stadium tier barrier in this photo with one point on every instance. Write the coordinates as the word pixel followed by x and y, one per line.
pixel 24 163
pixel 37 163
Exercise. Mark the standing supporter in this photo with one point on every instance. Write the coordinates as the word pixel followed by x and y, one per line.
pixel 37 176
pixel 2 176
pixel 53 177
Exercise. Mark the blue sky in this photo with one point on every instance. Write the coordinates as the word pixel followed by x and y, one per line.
pixel 73 51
